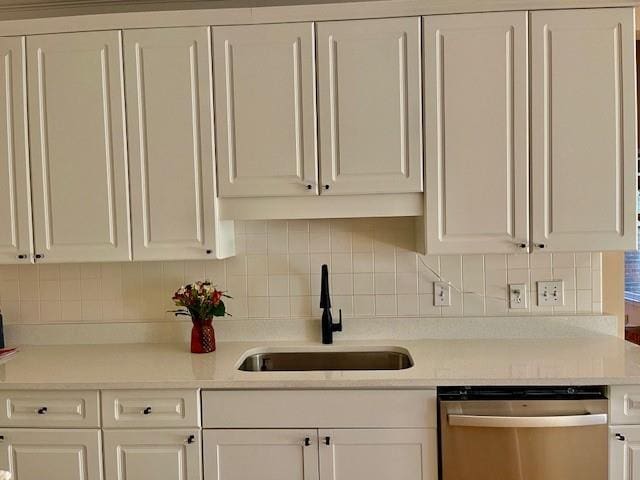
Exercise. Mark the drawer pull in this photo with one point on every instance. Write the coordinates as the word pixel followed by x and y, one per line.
pixel 147 411
pixel 307 441
pixel 42 411
pixel 191 439
pixel 620 437
pixel 327 440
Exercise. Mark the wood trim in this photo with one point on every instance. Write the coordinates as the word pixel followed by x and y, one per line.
pixel 613 287
pixel 30 17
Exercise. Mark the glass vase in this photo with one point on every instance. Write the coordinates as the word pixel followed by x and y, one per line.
pixel 203 336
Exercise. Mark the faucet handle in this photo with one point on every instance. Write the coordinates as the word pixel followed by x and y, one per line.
pixel 337 327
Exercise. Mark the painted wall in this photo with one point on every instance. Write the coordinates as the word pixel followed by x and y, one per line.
pixel 277 271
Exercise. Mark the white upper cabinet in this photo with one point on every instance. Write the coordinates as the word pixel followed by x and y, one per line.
pixel 265 110
pixel 370 126
pixel 476 132
pixel 15 221
pixel 171 163
pixel 583 131
pixel 78 158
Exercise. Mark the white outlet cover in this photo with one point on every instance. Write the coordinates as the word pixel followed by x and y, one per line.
pixel 517 296
pixel 550 293
pixel 441 294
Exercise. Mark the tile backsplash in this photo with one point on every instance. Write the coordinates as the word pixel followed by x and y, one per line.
pixel 276 274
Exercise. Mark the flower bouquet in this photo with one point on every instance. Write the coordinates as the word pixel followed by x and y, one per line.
pixel 201 301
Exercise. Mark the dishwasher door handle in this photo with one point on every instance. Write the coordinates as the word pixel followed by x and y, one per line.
pixel 495 421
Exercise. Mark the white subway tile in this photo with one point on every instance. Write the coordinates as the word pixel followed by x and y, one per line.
pixel 408 305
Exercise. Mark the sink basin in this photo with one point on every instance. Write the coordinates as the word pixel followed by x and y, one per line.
pixel 314 360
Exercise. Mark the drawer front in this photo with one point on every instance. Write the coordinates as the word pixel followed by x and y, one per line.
pixel 150 408
pixel 319 408
pixel 624 404
pixel 49 409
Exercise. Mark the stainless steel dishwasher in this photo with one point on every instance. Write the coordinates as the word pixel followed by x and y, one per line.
pixel 515 433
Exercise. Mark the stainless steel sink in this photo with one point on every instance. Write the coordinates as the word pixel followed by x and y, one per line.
pixel 298 361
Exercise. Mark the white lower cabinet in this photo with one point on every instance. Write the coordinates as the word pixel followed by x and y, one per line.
pixel 51 454
pixel 336 454
pixel 624 452
pixel 168 454
pixel 378 454
pixel 261 454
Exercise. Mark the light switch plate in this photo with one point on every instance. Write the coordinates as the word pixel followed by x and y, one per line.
pixel 550 293
pixel 517 296
pixel 441 294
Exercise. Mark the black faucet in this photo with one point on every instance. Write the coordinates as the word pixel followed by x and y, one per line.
pixel 328 327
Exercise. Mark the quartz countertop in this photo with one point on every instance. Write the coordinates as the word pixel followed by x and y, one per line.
pixel 602 360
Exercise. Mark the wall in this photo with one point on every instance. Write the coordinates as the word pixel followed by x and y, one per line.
pixel 276 275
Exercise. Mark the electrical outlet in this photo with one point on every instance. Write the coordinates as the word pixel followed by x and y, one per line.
pixel 441 294
pixel 551 293
pixel 517 296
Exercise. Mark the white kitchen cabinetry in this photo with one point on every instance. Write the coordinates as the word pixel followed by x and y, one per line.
pixel 78 157
pixel 170 113
pixel 583 129
pixel 476 132
pixel 359 434
pixel 15 214
pixel 152 454
pixel 263 454
pixel 370 115
pixel 38 454
pixel 378 454
pixel 265 109
pixel 624 452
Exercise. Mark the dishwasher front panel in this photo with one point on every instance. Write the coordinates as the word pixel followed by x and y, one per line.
pixel 524 440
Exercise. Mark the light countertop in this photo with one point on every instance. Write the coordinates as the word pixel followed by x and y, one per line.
pixel 600 359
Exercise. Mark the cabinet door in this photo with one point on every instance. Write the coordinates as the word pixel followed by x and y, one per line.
pixel 15 222
pixel 476 132
pixel 370 106
pixel 152 454
pixel 37 454
pixel 583 132
pixel 170 112
pixel 374 454
pixel 265 109
pixel 79 168
pixel 260 454
pixel 624 452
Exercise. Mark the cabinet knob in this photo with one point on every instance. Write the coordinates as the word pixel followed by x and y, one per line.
pixel 208 251
pixel 191 439
pixel 327 187
pixel 539 245
pixel 307 441
pixel 327 440
pixel 147 410
pixel 620 437
pixel 42 410
pixel 39 255
pixel 21 256
pixel 308 186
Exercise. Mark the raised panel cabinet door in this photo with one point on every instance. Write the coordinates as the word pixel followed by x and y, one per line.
pixel 15 219
pixel 265 109
pixel 378 454
pixel 152 455
pixel 51 454
pixel 476 133
pixel 78 157
pixel 624 452
pixel 260 454
pixel 370 113
pixel 583 131
pixel 170 112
